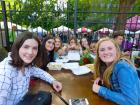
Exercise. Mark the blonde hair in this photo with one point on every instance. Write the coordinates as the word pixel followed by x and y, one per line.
pixel 57 37
pixel 101 66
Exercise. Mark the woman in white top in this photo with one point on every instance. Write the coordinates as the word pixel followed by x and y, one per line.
pixel 19 66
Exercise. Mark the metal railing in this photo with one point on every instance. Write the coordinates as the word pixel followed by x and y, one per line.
pixel 71 15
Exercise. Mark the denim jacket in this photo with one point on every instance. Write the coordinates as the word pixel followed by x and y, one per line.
pixel 125 85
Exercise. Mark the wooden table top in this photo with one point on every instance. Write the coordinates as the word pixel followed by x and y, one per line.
pixel 73 87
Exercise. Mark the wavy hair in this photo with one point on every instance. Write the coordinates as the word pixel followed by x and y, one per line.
pixel 72 38
pixel 46 56
pixel 16 60
pixel 56 49
pixel 101 69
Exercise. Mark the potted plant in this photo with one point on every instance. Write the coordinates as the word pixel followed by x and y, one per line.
pixel 86 59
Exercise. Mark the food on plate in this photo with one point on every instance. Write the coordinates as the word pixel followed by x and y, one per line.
pixel 54 66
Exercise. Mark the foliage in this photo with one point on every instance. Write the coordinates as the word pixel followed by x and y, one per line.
pixel 3 53
pixel 90 15
pixel 93 14
pixel 86 59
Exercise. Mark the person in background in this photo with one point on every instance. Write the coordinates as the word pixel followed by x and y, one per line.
pixel 119 38
pixel 47 49
pixel 116 77
pixel 84 45
pixel 93 48
pixel 73 44
pixel 58 47
pixel 137 63
pixel 12 35
pixel 19 66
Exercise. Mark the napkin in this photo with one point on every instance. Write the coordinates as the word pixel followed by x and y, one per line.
pixel 80 70
pixel 70 65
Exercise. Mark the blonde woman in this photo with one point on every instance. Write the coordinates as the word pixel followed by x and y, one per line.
pixel 58 50
pixel 116 77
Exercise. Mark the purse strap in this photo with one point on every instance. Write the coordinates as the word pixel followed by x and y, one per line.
pixel 60 97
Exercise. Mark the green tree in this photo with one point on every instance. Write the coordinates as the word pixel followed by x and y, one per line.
pixel 91 13
pixel 124 7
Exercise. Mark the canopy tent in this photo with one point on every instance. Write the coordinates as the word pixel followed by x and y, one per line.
pixel 133 23
pixel 39 30
pixel 105 31
pixel 137 32
pixel 62 29
pixel 10 25
pixel 128 32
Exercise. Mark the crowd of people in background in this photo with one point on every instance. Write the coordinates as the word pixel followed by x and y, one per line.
pixel 30 56
pixel 55 45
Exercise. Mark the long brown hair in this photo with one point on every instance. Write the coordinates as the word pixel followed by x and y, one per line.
pixel 101 69
pixel 16 60
pixel 46 56
pixel 73 38
pixel 56 49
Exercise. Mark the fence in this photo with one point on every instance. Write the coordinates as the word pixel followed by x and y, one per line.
pixel 49 15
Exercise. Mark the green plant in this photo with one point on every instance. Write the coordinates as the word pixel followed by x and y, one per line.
pixel 3 53
pixel 86 59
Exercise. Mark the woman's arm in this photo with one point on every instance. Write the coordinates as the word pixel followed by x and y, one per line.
pixel 37 72
pixel 5 86
pixel 128 87
pixel 42 74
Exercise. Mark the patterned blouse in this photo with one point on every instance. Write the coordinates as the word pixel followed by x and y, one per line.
pixel 14 84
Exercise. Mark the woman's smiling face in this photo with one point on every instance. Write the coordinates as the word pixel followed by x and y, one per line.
pixel 28 51
pixel 49 45
pixel 107 52
pixel 57 43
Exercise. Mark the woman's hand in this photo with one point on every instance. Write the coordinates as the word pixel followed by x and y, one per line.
pixel 97 80
pixel 57 86
pixel 96 86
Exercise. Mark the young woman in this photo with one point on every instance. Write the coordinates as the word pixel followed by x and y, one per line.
pixel 117 79
pixel 58 50
pixel 19 66
pixel 92 46
pixel 73 44
pixel 58 43
pixel 84 45
pixel 47 49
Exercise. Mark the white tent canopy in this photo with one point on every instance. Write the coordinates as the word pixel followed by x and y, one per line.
pixel 104 30
pixel 38 29
pixel 137 32
pixel 62 29
pixel 128 32
pixel 10 25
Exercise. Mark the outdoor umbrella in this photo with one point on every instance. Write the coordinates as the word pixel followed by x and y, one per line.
pixel 83 30
pixel 133 23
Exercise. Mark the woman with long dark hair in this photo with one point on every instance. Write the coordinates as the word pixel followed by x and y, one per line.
pixel 19 66
pixel 47 49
